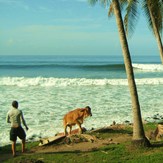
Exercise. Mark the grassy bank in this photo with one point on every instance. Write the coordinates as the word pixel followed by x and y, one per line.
pixel 113 152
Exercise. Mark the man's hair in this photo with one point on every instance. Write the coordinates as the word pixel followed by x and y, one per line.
pixel 15 104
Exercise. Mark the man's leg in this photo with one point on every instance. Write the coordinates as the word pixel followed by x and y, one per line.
pixel 22 136
pixel 13 146
pixel 13 139
pixel 23 145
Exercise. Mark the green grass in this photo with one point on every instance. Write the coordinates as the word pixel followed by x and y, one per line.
pixel 149 126
pixel 113 153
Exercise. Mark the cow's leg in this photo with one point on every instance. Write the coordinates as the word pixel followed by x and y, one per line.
pixel 80 128
pixel 70 127
pixel 65 130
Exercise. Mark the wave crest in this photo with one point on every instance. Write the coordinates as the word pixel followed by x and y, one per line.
pixel 148 67
pixel 61 82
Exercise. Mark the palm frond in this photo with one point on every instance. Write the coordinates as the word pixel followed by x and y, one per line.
pixel 92 2
pixel 131 12
pixel 104 3
pixel 156 9
pixel 131 17
pixel 122 3
pixel 110 11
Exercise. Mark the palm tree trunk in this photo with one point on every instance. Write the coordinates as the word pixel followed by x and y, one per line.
pixel 138 130
pixel 157 34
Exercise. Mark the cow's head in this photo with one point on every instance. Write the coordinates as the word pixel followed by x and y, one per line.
pixel 88 111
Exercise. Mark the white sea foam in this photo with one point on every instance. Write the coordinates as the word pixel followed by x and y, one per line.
pixel 148 67
pixel 44 107
pixel 44 102
pixel 62 82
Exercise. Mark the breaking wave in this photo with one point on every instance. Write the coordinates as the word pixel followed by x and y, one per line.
pixel 148 67
pixel 62 82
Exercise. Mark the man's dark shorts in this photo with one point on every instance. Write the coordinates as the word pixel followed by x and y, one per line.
pixel 19 131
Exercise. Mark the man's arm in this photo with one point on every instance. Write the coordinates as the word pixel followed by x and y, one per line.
pixel 8 119
pixel 23 121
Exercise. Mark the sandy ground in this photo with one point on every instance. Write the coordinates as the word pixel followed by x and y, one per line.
pixel 85 142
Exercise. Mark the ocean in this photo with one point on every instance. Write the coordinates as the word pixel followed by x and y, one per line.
pixel 47 87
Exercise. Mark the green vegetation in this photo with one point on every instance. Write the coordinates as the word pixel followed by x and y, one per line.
pixel 119 152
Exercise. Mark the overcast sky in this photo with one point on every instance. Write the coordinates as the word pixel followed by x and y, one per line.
pixel 66 27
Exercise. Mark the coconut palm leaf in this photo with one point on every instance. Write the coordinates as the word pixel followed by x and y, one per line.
pixel 131 17
pixel 153 10
pixel 92 2
pixel 111 11
pixel 156 7
pixel 131 12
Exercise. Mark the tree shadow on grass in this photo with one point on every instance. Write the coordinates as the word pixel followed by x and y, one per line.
pixel 157 144
pixel 110 130
pixel 5 149
pixel 5 153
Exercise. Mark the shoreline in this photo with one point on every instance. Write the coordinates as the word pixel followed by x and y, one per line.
pixel 156 119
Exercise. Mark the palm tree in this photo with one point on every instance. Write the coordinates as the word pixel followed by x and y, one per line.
pixel 139 138
pixel 154 13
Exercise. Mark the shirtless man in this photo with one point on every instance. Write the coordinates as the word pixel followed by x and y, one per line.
pixel 15 117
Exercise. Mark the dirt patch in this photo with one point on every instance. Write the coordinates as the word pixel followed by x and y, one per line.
pixel 89 141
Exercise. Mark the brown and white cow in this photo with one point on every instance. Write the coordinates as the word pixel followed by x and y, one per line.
pixel 74 117
pixel 158 133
